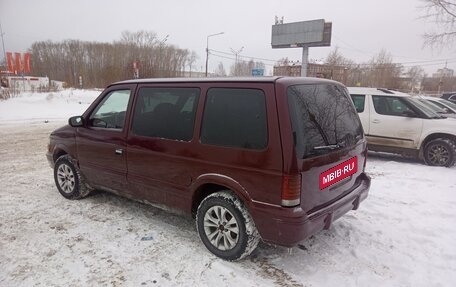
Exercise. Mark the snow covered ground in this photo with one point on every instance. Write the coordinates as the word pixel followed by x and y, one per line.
pixel 402 235
pixel 38 107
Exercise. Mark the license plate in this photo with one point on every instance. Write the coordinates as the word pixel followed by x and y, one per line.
pixel 338 172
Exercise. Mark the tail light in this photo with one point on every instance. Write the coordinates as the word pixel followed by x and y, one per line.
pixel 291 190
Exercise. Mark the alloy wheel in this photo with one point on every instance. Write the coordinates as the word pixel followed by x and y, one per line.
pixel 65 178
pixel 438 154
pixel 221 228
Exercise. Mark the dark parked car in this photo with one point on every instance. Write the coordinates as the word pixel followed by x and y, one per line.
pixel 276 159
pixel 451 96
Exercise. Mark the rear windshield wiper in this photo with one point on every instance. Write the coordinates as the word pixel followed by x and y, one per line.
pixel 328 147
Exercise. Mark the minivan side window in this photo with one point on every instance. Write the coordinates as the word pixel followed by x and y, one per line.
pixel 110 113
pixel 167 113
pixel 235 118
pixel 359 101
pixel 323 119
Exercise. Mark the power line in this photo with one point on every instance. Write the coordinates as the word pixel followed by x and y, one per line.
pixel 437 62
pixel 440 63
pixel 353 48
pixel 234 59
pixel 420 63
pixel 247 57
pixel 224 57
pixel 411 64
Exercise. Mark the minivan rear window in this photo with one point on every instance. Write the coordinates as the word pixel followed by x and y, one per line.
pixel 323 119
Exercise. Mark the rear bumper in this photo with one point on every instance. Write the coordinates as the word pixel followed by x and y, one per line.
pixel 288 226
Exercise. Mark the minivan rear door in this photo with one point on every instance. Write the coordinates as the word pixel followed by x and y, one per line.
pixel 329 143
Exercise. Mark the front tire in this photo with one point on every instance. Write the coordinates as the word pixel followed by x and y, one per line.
pixel 226 227
pixel 68 179
pixel 440 152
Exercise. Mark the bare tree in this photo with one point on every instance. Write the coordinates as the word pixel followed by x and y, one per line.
pixel 443 13
pixel 335 58
pixel 102 63
pixel 282 62
pixel 244 68
pixel 141 38
pixel 416 75
pixel 220 71
pixel 382 71
pixel 340 68
pixel 191 60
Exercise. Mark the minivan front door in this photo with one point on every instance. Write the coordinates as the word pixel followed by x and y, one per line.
pixel 101 142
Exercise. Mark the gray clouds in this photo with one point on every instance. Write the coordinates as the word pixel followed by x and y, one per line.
pixel 361 28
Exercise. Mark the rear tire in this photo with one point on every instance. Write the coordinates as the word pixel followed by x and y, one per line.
pixel 226 227
pixel 69 180
pixel 440 152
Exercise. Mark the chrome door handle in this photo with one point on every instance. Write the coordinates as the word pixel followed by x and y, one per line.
pixel 119 151
pixel 376 121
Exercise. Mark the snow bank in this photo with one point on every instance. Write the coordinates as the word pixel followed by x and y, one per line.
pixel 36 107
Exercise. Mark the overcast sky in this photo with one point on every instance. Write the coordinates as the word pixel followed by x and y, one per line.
pixel 361 28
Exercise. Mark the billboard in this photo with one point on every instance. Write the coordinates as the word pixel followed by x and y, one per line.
pixel 313 33
pixel 16 64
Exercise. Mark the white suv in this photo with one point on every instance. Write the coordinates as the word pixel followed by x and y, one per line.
pixel 399 123
pixel 448 108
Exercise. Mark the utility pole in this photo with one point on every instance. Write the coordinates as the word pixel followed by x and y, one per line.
pixel 305 61
pixel 236 53
pixel 207 48
pixel 441 77
pixel 3 42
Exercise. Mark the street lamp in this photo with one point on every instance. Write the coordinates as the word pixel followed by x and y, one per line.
pixel 236 53
pixel 3 43
pixel 207 47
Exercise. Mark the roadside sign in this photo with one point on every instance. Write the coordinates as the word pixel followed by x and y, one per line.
pixel 257 72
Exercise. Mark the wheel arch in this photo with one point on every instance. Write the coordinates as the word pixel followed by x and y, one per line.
pixel 433 137
pixel 58 152
pixel 208 184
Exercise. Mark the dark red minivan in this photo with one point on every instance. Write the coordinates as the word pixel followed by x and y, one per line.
pixel 271 158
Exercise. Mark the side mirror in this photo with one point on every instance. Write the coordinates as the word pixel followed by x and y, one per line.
pixel 76 121
pixel 408 113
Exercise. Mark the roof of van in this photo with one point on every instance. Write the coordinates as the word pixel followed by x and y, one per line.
pixel 306 80
pixel 375 91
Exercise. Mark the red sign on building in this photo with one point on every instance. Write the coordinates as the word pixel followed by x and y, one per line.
pixel 18 65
